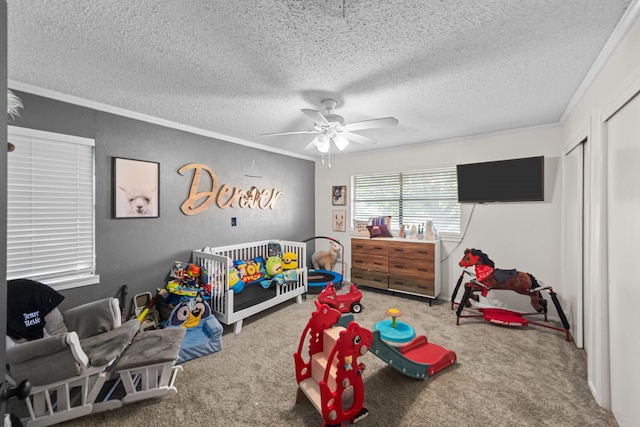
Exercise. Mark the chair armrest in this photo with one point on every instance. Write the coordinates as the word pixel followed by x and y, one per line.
pixel 94 317
pixel 211 325
pixel 47 360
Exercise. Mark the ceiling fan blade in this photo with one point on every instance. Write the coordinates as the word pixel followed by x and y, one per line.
pixel 360 139
pixel 370 124
pixel 316 116
pixel 311 145
pixel 295 132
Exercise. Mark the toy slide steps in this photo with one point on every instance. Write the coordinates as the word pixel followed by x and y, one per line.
pixel 331 377
pixel 319 362
pixel 416 359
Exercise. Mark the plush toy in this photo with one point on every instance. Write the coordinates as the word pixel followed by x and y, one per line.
pixel 273 266
pixel 326 260
pixel 251 270
pixel 289 261
pixel 235 284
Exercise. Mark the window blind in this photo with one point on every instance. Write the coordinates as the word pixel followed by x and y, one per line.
pixel 50 206
pixel 410 197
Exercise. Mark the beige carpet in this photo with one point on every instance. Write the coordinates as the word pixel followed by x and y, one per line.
pixel 504 377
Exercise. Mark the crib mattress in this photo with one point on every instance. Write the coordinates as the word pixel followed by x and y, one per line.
pixel 252 295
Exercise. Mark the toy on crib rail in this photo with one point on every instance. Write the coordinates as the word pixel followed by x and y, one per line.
pixel 273 266
pixel 274 248
pixel 326 260
pixel 289 261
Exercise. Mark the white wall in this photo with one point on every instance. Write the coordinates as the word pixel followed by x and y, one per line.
pixel 609 90
pixel 515 235
pixel 527 235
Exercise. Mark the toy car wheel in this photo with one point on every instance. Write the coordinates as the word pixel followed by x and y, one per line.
pixel 356 307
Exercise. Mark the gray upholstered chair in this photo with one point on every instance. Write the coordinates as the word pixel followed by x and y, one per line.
pixel 80 351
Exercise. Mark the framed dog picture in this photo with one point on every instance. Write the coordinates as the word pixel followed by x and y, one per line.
pixel 339 195
pixel 136 188
pixel 339 218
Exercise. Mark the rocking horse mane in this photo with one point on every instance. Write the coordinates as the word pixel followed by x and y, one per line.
pixel 483 257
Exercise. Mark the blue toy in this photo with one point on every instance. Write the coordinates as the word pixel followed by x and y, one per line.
pixel 394 331
pixel 204 332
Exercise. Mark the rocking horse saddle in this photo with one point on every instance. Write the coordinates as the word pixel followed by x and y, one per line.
pixel 502 275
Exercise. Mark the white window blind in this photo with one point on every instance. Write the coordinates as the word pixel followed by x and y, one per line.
pixel 50 207
pixel 410 197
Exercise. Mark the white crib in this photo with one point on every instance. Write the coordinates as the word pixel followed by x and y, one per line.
pixel 216 262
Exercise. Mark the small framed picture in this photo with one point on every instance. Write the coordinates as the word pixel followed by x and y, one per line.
pixel 136 188
pixel 339 220
pixel 339 195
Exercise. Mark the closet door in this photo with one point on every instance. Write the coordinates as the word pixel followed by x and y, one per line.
pixel 623 212
pixel 573 202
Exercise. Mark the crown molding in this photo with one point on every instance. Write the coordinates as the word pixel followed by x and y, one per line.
pixel 624 25
pixel 70 99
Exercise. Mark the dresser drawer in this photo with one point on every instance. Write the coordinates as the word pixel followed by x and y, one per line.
pixel 421 286
pixel 369 278
pixel 418 268
pixel 412 250
pixel 370 247
pixel 370 262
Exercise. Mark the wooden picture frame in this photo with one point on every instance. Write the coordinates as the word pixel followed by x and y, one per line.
pixel 136 188
pixel 339 220
pixel 339 195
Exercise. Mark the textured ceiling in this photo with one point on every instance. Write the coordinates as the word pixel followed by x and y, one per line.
pixel 444 69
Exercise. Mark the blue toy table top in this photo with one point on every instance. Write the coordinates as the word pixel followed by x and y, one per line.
pixel 401 334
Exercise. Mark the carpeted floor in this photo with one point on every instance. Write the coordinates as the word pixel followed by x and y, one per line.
pixel 504 377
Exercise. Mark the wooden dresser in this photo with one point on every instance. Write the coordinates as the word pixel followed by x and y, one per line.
pixel 402 265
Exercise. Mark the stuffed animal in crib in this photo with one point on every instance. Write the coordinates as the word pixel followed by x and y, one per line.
pixel 289 261
pixel 326 260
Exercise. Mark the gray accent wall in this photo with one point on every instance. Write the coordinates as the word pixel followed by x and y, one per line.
pixel 140 251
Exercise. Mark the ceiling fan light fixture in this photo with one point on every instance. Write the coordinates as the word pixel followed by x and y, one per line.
pixel 322 143
pixel 341 142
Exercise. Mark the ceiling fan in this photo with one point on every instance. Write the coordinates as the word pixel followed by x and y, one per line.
pixel 331 127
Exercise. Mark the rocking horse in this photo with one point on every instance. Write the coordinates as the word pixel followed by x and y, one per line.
pixel 487 277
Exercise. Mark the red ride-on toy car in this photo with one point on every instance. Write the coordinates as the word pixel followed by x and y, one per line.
pixel 344 303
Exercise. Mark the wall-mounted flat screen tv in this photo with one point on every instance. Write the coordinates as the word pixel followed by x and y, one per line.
pixel 514 180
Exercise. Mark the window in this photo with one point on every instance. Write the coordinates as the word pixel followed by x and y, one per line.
pixel 410 197
pixel 50 208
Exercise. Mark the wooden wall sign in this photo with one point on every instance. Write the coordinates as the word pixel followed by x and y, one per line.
pixel 225 197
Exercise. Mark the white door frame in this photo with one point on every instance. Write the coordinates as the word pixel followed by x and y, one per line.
pixel 575 298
